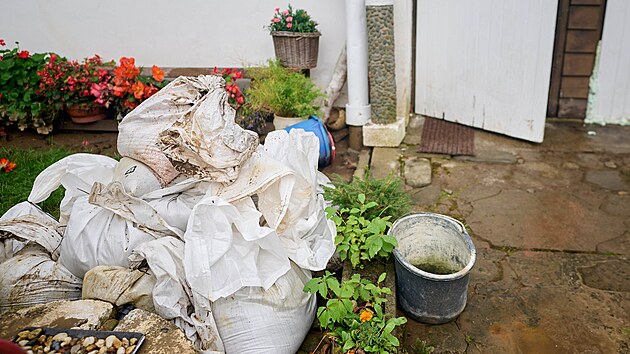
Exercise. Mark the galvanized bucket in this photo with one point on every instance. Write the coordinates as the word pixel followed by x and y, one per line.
pixel 433 258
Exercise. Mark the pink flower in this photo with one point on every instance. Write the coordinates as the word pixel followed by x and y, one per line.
pixel 289 25
pixel 289 19
pixel 2 43
pixel 276 20
pixel 85 143
pixel 285 12
pixel 277 9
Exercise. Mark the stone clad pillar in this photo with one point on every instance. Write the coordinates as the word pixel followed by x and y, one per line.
pixel 381 60
pixel 385 128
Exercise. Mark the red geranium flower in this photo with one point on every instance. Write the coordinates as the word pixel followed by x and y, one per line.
pixel 23 54
pixel 2 43
pixel 158 74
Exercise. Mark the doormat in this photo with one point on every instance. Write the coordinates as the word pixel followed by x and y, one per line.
pixel 443 137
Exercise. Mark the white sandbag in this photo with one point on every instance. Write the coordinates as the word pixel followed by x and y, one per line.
pixel 26 224
pixel 227 249
pixel 274 321
pixel 97 236
pixel 137 178
pixel 76 173
pixel 205 141
pixel 172 297
pixel 31 278
pixel 139 130
pixel 120 286
pixel 306 233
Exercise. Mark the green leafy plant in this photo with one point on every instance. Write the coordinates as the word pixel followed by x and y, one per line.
pixel 391 200
pixel 354 313
pixel 290 20
pixel 19 82
pixel 359 238
pixel 278 90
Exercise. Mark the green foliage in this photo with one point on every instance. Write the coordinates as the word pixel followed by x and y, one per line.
pixel 290 20
pixel 16 185
pixel 390 198
pixel 358 238
pixel 278 90
pixel 354 314
pixel 19 102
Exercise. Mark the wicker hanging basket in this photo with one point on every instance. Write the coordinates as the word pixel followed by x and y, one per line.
pixel 296 50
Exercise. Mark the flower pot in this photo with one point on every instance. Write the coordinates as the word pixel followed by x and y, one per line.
pixel 296 50
pixel 433 259
pixel 86 113
pixel 283 122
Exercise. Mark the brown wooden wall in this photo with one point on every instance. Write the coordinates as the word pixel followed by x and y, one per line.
pixel 578 30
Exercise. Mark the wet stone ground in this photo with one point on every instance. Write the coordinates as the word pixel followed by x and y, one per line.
pixel 551 225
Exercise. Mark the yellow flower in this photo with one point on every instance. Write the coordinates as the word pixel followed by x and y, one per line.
pixel 366 315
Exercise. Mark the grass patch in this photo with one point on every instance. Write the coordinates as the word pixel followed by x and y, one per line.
pixel 16 185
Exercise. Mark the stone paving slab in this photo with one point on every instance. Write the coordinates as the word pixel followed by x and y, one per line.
pixel 552 233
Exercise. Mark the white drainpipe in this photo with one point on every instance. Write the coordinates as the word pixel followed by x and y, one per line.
pixel 358 108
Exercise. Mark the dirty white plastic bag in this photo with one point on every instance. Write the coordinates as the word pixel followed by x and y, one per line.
pixel 31 277
pixel 120 286
pixel 138 132
pixel 172 297
pixel 25 224
pixel 227 249
pixel 205 141
pixel 306 233
pixel 137 178
pixel 76 173
pixel 275 321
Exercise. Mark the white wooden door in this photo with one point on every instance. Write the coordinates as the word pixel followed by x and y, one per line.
pixel 486 63
pixel 609 97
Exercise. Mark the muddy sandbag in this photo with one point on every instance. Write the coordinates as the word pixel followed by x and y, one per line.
pixel 138 132
pixel 31 277
pixel 205 141
pixel 120 286
pixel 24 224
pixel 276 320
pixel 137 178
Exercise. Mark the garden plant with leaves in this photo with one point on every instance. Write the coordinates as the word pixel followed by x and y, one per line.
pixel 354 314
pixel 19 102
pixel 387 192
pixel 360 238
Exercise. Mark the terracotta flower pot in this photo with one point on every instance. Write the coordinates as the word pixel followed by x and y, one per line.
pixel 82 114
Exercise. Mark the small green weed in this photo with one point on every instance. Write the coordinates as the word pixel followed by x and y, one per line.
pixel 358 238
pixel 390 198
pixel 422 347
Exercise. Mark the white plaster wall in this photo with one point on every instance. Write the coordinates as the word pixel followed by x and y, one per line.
pixel 186 33
pixel 609 91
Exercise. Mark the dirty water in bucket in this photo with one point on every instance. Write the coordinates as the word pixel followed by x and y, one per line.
pixel 433 259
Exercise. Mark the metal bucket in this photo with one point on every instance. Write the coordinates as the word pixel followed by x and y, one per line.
pixel 433 258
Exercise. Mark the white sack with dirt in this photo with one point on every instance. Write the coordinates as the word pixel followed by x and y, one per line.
pixel 205 141
pixel 76 174
pixel 138 132
pixel 24 224
pixel 29 275
pixel 172 297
